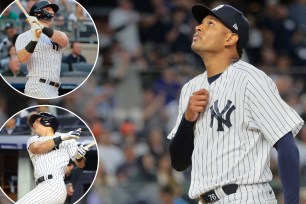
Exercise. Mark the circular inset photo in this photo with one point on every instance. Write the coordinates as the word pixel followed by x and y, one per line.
pixel 47 155
pixel 47 48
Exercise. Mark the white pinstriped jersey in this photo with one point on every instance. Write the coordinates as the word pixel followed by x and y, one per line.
pixel 55 161
pixel 244 118
pixel 46 59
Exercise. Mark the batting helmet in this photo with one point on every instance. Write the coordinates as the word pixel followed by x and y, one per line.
pixel 37 10
pixel 47 120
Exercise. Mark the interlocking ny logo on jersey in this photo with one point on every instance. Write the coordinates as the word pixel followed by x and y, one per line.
pixel 215 113
pixel 55 46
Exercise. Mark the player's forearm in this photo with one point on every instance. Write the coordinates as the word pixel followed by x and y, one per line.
pixel 56 36
pixel 60 38
pixel 182 145
pixel 24 56
pixel 42 147
pixel 288 167
pixel 80 162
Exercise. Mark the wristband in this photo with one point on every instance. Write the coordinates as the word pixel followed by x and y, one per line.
pixel 57 140
pixel 31 46
pixel 48 31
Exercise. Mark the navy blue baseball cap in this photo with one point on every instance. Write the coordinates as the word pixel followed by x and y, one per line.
pixel 229 16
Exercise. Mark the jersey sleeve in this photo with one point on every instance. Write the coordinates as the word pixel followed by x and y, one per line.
pixel 181 110
pixel 21 42
pixel 31 141
pixel 72 148
pixel 269 113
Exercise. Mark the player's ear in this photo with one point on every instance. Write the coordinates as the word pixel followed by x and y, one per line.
pixel 231 39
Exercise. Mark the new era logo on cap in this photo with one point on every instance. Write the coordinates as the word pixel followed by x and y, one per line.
pixel 218 7
pixel 235 26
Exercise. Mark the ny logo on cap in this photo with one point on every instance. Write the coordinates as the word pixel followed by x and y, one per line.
pixel 218 7
pixel 235 26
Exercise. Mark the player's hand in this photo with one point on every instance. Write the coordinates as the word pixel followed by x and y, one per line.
pixel 75 134
pixel 32 20
pixel 36 31
pixel 81 152
pixel 197 104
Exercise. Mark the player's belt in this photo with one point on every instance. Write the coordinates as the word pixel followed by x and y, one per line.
pixel 51 83
pixel 218 193
pixel 42 179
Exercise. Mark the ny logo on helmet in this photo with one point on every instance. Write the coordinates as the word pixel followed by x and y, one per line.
pixel 215 113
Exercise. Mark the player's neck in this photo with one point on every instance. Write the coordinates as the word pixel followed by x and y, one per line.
pixel 47 132
pixel 45 23
pixel 217 64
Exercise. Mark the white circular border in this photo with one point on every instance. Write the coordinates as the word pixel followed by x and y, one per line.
pixel 75 115
pixel 94 65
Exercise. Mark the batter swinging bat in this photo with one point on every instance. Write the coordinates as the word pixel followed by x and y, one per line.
pixel 21 8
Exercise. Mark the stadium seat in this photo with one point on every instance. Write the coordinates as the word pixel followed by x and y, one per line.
pixel 64 67
pixel 82 67
pixel 23 68
pixel 74 74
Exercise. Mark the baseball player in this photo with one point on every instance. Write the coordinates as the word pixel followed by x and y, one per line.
pixel 230 117
pixel 41 49
pixel 50 153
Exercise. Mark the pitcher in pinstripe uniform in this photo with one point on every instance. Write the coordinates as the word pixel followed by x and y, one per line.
pixel 41 49
pixel 50 153
pixel 230 117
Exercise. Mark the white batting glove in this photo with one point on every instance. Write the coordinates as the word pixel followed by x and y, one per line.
pixel 75 134
pixel 81 152
pixel 36 31
pixel 32 20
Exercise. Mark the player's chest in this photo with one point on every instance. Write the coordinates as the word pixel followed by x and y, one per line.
pixel 225 107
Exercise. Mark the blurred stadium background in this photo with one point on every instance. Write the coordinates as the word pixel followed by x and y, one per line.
pixel 130 100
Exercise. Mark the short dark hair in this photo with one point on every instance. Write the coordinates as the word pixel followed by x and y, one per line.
pixel 239 51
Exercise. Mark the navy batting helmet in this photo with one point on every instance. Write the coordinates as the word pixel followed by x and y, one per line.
pixel 37 10
pixel 47 120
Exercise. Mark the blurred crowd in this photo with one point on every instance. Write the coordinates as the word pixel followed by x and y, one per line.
pixel 131 99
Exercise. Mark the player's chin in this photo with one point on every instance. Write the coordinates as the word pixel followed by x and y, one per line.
pixel 196 47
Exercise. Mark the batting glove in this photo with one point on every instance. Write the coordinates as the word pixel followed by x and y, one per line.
pixel 36 31
pixel 75 134
pixel 81 152
pixel 32 20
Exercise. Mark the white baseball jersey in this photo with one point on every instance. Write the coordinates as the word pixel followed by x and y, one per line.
pixel 45 63
pixel 244 118
pixel 54 162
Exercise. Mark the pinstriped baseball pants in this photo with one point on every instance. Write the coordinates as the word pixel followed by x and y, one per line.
pixel 37 89
pixel 250 194
pixel 51 191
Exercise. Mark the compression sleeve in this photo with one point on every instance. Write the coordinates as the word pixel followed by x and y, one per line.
pixel 288 167
pixel 181 146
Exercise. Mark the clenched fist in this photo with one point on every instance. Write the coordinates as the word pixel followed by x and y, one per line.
pixel 32 20
pixel 197 104
pixel 81 152
pixel 36 31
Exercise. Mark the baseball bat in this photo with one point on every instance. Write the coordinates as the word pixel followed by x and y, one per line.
pixel 21 8
pixel 90 144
